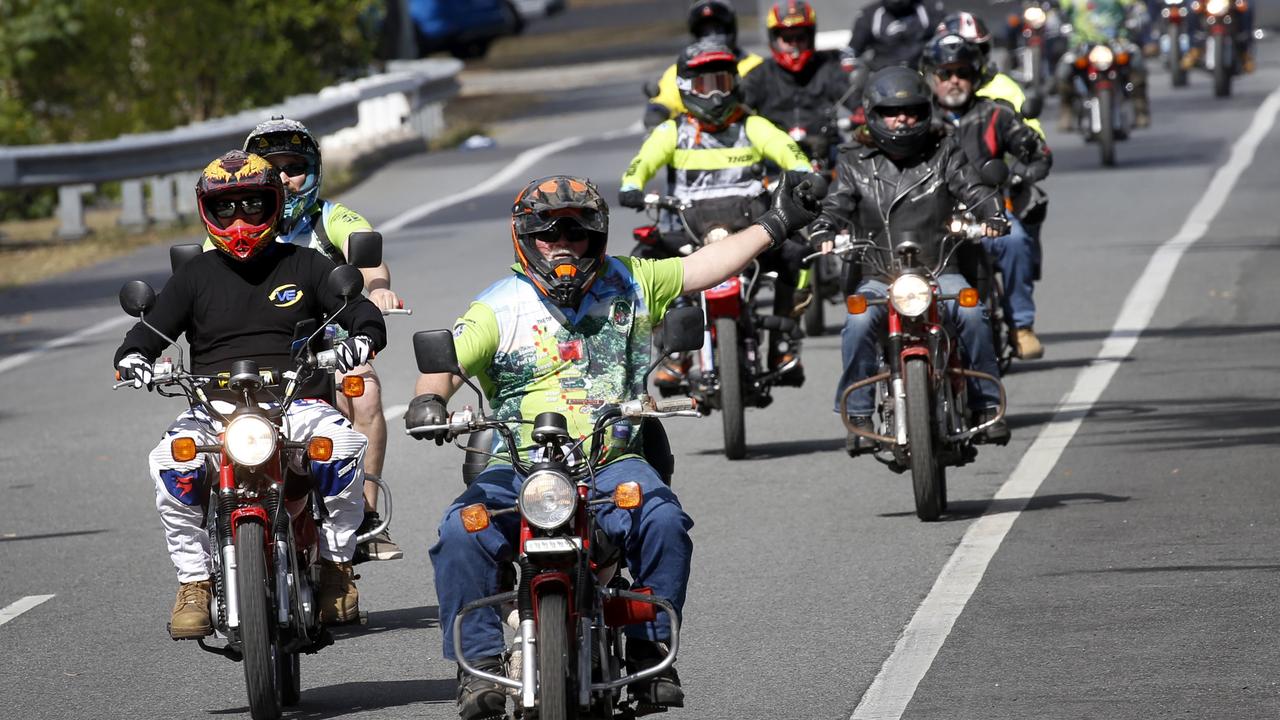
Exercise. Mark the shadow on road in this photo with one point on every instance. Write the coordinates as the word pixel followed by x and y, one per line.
pixel 970 509
pixel 348 698
pixel 415 618
pixel 49 536
pixel 1171 569
pixel 769 451
pixel 1196 331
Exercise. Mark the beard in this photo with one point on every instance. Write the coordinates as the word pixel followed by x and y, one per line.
pixel 954 98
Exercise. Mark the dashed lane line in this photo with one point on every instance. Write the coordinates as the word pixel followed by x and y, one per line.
pixel 23 605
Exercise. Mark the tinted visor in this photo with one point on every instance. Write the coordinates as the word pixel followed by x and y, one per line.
pixel 712 84
pixel 541 220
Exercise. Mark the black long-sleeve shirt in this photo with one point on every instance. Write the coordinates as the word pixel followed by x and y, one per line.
pixel 232 310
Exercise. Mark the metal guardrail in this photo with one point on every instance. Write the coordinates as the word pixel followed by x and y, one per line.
pixel 349 119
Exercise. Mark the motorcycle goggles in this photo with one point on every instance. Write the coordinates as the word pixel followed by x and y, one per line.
pixel 709 85
pixel 542 221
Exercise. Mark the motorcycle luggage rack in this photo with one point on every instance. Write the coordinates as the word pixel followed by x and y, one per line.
pixel 497 600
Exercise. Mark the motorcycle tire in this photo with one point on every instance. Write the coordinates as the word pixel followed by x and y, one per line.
pixel 815 316
pixel 1107 133
pixel 1036 74
pixel 926 472
pixel 729 365
pixel 555 701
pixel 1221 66
pixel 289 676
pixel 257 641
pixel 1176 71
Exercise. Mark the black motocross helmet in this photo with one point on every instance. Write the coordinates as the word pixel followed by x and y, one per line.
pixel 707 77
pixel 895 89
pixel 714 17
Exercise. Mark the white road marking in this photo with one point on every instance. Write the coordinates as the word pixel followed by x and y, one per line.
pixel 522 162
pixel 519 165
pixel 23 605
pixel 912 656
pixel 23 358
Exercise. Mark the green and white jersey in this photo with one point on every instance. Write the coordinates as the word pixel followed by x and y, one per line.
pixel 531 356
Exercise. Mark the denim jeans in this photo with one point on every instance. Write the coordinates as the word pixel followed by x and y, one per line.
pixel 1016 256
pixel 654 539
pixel 860 340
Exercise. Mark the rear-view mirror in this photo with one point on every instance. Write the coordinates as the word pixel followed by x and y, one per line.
pixel 682 330
pixel 137 298
pixel 364 249
pixel 1032 106
pixel 179 255
pixel 345 281
pixel 434 351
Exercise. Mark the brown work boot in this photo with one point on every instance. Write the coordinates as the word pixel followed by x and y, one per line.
pixel 1247 63
pixel 1028 345
pixel 1192 58
pixel 190 618
pixel 337 597
pixel 1066 116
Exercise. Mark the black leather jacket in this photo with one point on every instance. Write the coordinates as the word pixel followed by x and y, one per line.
pixel 882 199
pixel 990 129
pixel 805 99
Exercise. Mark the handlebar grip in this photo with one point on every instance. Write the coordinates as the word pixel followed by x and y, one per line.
pixel 327 359
pixel 679 404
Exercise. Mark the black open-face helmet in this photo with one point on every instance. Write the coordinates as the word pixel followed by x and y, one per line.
pixel 714 18
pixel 707 77
pixel 548 208
pixel 952 53
pixel 891 91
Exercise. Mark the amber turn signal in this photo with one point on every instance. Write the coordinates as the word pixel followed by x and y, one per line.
pixel 1122 58
pixel 320 449
pixel 968 298
pixel 628 496
pixel 353 386
pixel 475 517
pixel 183 449
pixel 1082 62
pixel 856 304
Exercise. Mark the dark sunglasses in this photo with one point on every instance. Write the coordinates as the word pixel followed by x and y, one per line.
pixel 569 231
pixel 963 73
pixel 249 206
pixel 294 169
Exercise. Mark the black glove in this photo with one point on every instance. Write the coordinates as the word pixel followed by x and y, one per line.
pixel 796 202
pixel 353 352
pixel 427 409
pixel 631 199
pixel 819 235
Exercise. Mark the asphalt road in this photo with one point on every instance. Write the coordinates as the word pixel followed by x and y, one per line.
pixel 1134 581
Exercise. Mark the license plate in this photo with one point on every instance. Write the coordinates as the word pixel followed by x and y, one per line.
pixel 534 546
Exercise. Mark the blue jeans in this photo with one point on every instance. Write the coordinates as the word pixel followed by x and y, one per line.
pixel 654 539
pixel 860 339
pixel 1016 256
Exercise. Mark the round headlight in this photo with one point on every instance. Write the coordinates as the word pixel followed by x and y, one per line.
pixel 1035 17
pixel 1217 7
pixel 548 499
pixel 250 440
pixel 911 295
pixel 1101 57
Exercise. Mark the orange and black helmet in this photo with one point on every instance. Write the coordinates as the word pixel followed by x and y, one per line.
pixel 786 16
pixel 547 209
pixel 240 198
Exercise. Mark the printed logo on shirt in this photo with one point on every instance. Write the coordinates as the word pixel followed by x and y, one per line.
pixel 285 295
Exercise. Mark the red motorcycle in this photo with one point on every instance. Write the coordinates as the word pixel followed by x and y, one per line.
pixel 566 600
pixel 263 514
pixel 922 397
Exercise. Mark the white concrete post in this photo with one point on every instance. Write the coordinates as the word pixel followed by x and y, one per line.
pixel 71 212
pixel 133 209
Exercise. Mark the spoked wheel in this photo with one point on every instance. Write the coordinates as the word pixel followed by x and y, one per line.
pixel 729 366
pixel 258 643
pixel 554 657
pixel 927 476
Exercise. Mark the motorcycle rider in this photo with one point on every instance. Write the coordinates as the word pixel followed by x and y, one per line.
pixel 711 151
pixel 714 19
pixel 600 310
pixel 893 32
pixel 993 84
pixel 799 86
pixel 311 221
pixel 986 130
pixel 242 302
pixel 906 178
pixel 1100 21
pixel 1242 34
